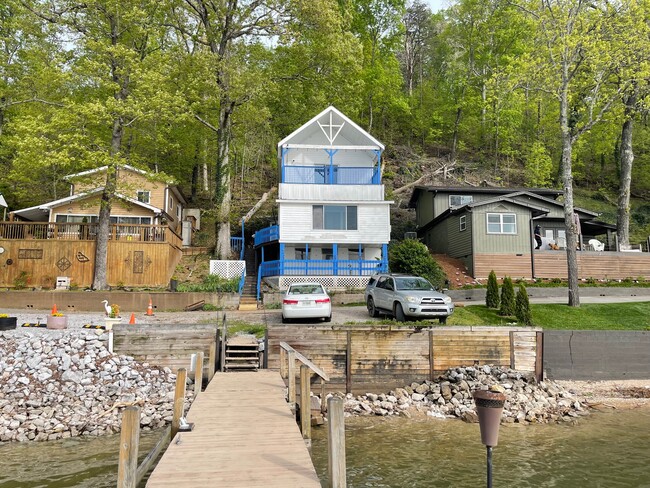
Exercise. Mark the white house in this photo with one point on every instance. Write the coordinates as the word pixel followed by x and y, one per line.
pixel 333 221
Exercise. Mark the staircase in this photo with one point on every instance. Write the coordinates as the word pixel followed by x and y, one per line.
pixel 242 353
pixel 248 299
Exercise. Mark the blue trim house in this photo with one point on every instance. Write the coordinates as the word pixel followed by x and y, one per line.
pixel 333 220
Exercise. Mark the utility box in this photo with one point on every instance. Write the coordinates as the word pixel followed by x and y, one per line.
pixel 62 283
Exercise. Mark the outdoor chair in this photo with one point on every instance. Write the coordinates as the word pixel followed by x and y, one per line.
pixel 596 245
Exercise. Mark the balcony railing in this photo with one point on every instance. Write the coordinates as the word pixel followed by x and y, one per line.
pixel 320 267
pixel 87 232
pixel 331 175
pixel 268 234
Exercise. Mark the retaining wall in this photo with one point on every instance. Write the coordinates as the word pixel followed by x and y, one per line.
pixel 596 355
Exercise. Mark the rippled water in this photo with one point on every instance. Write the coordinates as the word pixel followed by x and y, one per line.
pixel 602 450
pixel 84 462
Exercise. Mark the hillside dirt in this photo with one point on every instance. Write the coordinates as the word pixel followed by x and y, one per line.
pixel 456 272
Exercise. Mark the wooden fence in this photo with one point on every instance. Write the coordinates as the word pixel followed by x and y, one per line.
pixel 170 345
pixel 359 359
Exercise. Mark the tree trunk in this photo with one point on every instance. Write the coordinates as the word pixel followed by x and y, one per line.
pixel 454 143
pixel 567 178
pixel 627 159
pixel 224 192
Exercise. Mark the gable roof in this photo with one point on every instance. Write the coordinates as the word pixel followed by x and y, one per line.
pixel 330 128
pixel 38 212
pixel 548 192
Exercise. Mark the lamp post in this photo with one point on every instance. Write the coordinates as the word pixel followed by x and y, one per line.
pixel 489 406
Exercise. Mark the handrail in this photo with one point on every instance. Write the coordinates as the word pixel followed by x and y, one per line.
pixel 242 281
pixel 305 361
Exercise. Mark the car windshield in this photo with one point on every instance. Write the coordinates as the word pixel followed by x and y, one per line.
pixel 306 290
pixel 413 284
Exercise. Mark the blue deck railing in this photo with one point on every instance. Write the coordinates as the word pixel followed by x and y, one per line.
pixel 331 175
pixel 242 280
pixel 268 234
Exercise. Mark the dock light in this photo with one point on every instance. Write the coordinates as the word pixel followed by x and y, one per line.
pixel 489 407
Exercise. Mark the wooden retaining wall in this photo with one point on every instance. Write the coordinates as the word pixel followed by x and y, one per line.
pixel 165 345
pixel 361 359
pixel 131 263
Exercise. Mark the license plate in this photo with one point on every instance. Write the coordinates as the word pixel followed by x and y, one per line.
pixel 307 303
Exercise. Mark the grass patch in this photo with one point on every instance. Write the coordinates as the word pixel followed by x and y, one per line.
pixel 589 316
pixel 237 327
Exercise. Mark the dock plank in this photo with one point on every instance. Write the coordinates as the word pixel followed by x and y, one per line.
pixel 244 436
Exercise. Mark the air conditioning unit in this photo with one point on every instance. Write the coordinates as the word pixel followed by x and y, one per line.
pixel 410 235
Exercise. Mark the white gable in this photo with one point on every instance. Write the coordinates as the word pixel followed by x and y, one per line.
pixel 330 129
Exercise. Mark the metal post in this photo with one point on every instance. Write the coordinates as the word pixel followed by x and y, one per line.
pixel 489 466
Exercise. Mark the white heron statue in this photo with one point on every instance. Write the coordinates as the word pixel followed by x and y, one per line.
pixel 107 307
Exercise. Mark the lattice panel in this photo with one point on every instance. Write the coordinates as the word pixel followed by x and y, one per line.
pixel 227 269
pixel 329 282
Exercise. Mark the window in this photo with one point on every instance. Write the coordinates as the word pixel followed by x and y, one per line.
pixel 143 196
pixel 460 200
pixel 328 253
pixel 335 217
pixel 501 223
pixel 178 212
pixel 171 203
pixel 301 253
pixel 463 222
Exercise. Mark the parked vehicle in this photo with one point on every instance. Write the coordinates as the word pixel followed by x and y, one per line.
pixel 406 296
pixel 306 301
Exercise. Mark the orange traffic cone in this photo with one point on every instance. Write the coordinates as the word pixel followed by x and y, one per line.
pixel 150 308
pixel 132 321
pixel 54 310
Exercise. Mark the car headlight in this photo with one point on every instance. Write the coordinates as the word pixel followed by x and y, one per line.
pixel 413 299
pixel 447 299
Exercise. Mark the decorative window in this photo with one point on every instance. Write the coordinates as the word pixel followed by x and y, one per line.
pixel 460 200
pixel 335 217
pixel 143 196
pixel 501 223
pixel 463 222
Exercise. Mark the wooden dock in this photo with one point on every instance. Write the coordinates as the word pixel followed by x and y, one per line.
pixel 244 436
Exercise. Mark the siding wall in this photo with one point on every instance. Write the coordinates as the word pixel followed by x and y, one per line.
pixel 591 264
pixel 306 157
pixel 373 221
pixel 424 209
pixel 513 265
pixel 501 243
pixel 331 193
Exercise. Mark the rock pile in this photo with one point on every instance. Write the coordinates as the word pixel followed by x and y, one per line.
pixel 451 396
pixel 66 384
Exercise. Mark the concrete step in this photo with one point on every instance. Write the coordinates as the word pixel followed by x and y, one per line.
pixel 247 306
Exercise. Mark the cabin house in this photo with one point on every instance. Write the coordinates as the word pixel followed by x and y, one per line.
pixel 492 229
pixel 333 221
pixel 57 238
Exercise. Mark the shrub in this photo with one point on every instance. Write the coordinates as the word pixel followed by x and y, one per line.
pixel 412 257
pixel 507 298
pixel 522 307
pixel 492 293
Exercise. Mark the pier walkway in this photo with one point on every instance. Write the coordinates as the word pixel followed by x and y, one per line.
pixel 244 436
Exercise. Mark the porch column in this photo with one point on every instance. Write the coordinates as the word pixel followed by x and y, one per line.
pixel 281 259
pixel 306 259
pixel 284 152
pixel 384 257
pixel 360 260
pixel 378 179
pixel 331 153
pixel 335 252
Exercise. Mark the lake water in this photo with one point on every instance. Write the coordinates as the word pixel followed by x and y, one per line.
pixel 602 450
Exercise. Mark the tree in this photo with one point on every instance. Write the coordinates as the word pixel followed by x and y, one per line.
pixel 507 298
pixel 410 256
pixel 492 293
pixel 522 306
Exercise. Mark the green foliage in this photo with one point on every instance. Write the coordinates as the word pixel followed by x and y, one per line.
pixel 492 293
pixel 212 283
pixel 21 281
pixel 522 307
pixel 507 298
pixel 539 166
pixel 412 257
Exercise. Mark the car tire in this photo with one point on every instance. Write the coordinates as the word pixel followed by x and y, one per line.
pixel 285 320
pixel 399 313
pixel 328 319
pixel 372 310
pixel 443 320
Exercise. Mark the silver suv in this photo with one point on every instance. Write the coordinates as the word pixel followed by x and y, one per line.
pixel 406 296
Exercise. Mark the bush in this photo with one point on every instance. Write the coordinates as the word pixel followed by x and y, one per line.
pixel 522 307
pixel 410 256
pixel 212 283
pixel 492 293
pixel 507 298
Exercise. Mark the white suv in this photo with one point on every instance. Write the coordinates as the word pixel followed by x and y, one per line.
pixel 406 296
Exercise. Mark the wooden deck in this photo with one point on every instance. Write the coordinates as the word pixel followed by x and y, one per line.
pixel 244 436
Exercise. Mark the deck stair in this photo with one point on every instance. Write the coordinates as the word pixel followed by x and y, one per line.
pixel 242 353
pixel 248 299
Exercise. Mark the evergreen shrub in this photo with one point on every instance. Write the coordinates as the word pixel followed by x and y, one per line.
pixel 492 293
pixel 507 298
pixel 522 307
